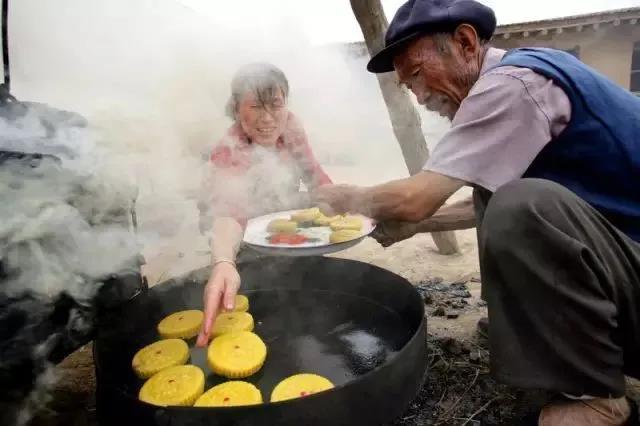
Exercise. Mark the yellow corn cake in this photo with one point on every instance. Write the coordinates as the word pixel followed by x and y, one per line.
pixel 158 356
pixel 241 303
pixel 181 385
pixel 307 215
pixel 347 222
pixel 323 220
pixel 236 355
pixel 299 386
pixel 232 321
pixel 344 235
pixel 181 325
pixel 230 394
pixel 282 226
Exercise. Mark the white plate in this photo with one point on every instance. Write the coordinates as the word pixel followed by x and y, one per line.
pixel 257 237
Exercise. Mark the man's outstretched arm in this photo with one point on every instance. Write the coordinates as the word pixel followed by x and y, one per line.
pixel 412 199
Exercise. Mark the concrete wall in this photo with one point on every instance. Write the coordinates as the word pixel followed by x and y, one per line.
pixel 607 49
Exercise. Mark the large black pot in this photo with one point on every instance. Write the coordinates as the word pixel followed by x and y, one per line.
pixel 361 326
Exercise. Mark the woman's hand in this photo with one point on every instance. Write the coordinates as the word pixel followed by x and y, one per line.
pixel 219 294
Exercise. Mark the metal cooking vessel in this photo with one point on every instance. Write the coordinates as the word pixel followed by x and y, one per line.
pixel 361 326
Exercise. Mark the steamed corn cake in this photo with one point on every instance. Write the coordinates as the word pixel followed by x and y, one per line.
pixel 232 321
pixel 158 356
pixel 230 394
pixel 181 325
pixel 299 386
pixel 307 215
pixel 344 235
pixel 347 222
pixel 323 220
pixel 282 226
pixel 241 303
pixel 181 385
pixel 236 355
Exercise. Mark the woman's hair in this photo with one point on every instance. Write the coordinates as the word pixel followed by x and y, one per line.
pixel 262 79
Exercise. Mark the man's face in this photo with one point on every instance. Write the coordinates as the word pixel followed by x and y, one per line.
pixel 439 71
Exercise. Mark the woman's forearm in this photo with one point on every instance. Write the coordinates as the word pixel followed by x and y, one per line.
pixel 226 238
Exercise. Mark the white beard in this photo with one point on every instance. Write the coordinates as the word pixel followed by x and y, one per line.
pixel 440 104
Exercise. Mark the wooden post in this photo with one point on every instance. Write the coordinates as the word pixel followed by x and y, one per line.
pixel 404 117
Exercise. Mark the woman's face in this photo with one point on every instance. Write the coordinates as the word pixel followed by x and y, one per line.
pixel 264 124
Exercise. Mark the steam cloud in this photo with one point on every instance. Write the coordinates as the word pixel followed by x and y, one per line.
pixel 152 78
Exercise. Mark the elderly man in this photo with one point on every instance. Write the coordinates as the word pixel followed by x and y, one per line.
pixel 552 150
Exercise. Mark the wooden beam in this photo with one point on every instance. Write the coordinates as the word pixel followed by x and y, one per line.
pixel 405 120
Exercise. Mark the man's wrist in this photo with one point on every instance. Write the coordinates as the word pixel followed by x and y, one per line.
pixel 361 202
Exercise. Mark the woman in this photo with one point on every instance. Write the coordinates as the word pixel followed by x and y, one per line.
pixel 255 169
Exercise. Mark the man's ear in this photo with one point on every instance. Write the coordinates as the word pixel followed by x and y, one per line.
pixel 465 37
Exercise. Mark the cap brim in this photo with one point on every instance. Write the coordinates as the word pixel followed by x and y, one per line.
pixel 383 60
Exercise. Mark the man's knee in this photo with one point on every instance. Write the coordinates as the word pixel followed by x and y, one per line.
pixel 515 210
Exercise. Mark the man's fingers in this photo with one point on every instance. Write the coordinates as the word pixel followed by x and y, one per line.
pixel 382 237
pixel 327 198
pixel 390 232
pixel 378 233
pixel 326 209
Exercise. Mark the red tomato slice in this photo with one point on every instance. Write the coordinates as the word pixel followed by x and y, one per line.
pixel 291 239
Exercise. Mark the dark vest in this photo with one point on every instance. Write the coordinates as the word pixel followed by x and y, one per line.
pixel 597 156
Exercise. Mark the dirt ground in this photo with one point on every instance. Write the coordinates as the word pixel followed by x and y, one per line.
pixel 459 389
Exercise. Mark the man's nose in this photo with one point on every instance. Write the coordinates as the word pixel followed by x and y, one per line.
pixel 423 98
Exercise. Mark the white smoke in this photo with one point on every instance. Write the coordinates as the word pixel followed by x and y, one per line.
pixel 58 225
pixel 152 77
pixel 64 228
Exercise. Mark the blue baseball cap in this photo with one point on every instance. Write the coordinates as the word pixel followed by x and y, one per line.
pixel 420 17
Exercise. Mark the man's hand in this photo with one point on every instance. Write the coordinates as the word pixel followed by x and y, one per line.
pixel 336 199
pixel 220 292
pixel 390 232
